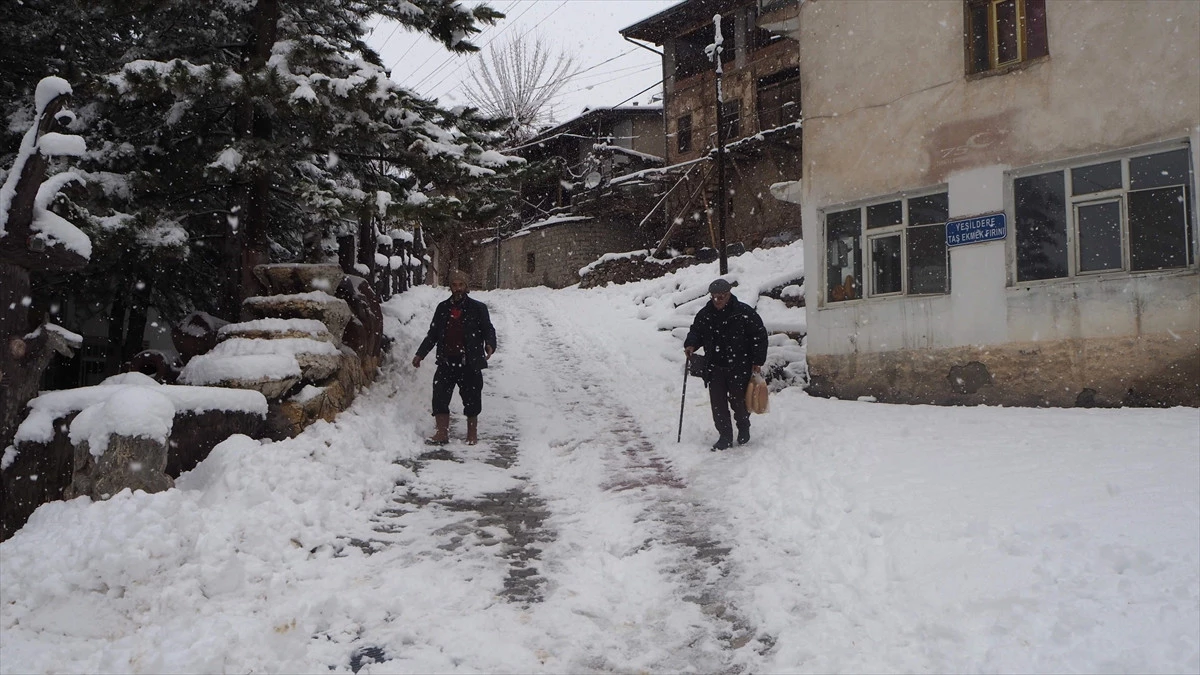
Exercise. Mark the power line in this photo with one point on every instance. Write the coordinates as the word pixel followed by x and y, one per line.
pixel 450 58
pixel 595 84
pixel 389 37
pixel 431 56
pixel 638 94
pixel 576 75
pixel 614 71
pixel 521 37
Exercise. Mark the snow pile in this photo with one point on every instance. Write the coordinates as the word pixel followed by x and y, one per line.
pixel 246 360
pixel 130 411
pixel 130 404
pixel 311 327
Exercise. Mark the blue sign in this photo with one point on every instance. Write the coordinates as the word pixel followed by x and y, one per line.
pixel 976 230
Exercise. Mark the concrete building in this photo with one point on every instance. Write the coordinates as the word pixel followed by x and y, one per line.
pixel 1059 141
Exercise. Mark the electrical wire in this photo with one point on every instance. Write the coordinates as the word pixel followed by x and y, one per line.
pixel 594 84
pixel 418 40
pixel 450 58
pixel 576 75
pixel 638 94
pixel 521 37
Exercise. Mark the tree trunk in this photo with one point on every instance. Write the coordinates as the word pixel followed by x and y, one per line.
pixel 383 286
pixel 22 359
pixel 14 288
pixel 116 335
pixel 400 278
pixel 366 246
pixel 135 326
pixel 14 299
pixel 346 253
pixel 247 243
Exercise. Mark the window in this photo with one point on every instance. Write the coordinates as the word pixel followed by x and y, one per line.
pixel 901 242
pixel 779 99
pixel 683 133
pixel 731 117
pixel 690 57
pixel 1002 33
pixel 759 37
pixel 1127 214
pixel 530 263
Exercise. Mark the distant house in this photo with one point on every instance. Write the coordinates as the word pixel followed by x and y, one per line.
pixel 588 202
pixel 1000 200
pixel 760 109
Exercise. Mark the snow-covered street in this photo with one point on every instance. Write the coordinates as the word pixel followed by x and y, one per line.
pixel 579 536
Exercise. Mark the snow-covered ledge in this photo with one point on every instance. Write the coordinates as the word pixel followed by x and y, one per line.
pixel 126 432
pixel 787 191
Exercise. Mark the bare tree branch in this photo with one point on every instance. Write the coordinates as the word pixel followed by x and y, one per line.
pixel 520 80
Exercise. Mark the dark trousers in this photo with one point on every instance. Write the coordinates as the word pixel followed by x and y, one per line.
pixel 727 389
pixel 470 388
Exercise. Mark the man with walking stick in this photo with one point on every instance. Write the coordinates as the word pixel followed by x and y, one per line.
pixel 734 341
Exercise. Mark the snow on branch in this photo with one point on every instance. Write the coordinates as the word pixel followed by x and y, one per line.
pixel 26 193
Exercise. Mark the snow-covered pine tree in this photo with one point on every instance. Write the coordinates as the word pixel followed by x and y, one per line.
pixel 231 132
pixel 307 128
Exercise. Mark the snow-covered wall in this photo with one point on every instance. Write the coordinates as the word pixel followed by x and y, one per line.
pixel 552 252
pixel 890 109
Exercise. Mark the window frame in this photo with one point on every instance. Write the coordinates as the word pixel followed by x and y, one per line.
pixel 771 106
pixel 1032 35
pixel 1072 203
pixel 733 123
pixel 689 56
pixel 681 146
pixel 758 38
pixel 867 238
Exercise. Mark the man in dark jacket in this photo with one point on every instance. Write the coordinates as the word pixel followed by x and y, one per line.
pixel 465 339
pixel 735 344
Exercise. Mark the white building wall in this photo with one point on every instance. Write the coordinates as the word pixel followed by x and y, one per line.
pixel 889 109
pixel 977 271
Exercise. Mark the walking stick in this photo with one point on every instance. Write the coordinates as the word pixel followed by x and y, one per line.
pixel 683 398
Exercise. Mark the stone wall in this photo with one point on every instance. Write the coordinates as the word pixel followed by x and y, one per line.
pixel 1159 370
pixel 559 252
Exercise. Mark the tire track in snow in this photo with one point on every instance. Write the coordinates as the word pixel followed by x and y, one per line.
pixel 517 511
pixel 699 565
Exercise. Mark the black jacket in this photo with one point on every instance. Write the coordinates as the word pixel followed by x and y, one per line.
pixel 733 337
pixel 477 328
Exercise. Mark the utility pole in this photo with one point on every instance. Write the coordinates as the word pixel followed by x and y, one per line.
pixel 714 53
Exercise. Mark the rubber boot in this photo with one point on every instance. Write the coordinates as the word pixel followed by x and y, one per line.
pixel 472 430
pixel 442 435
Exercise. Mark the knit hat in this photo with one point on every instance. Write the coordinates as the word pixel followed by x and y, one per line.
pixel 719 286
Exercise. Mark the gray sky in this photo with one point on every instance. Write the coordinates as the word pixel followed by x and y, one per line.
pixel 613 70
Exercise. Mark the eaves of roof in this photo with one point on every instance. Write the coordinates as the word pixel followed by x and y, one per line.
pixel 588 118
pixel 677 19
pixel 598 114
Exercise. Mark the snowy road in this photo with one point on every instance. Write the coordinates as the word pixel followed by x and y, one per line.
pixel 622 504
pixel 580 537
pixel 613 562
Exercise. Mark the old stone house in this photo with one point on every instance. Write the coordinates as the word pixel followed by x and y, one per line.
pixel 590 200
pixel 1000 199
pixel 760 112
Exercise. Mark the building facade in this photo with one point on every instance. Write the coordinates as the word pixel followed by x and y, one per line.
pixel 760 111
pixel 1059 141
pixel 581 203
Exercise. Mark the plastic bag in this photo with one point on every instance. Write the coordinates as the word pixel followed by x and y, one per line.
pixel 756 395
